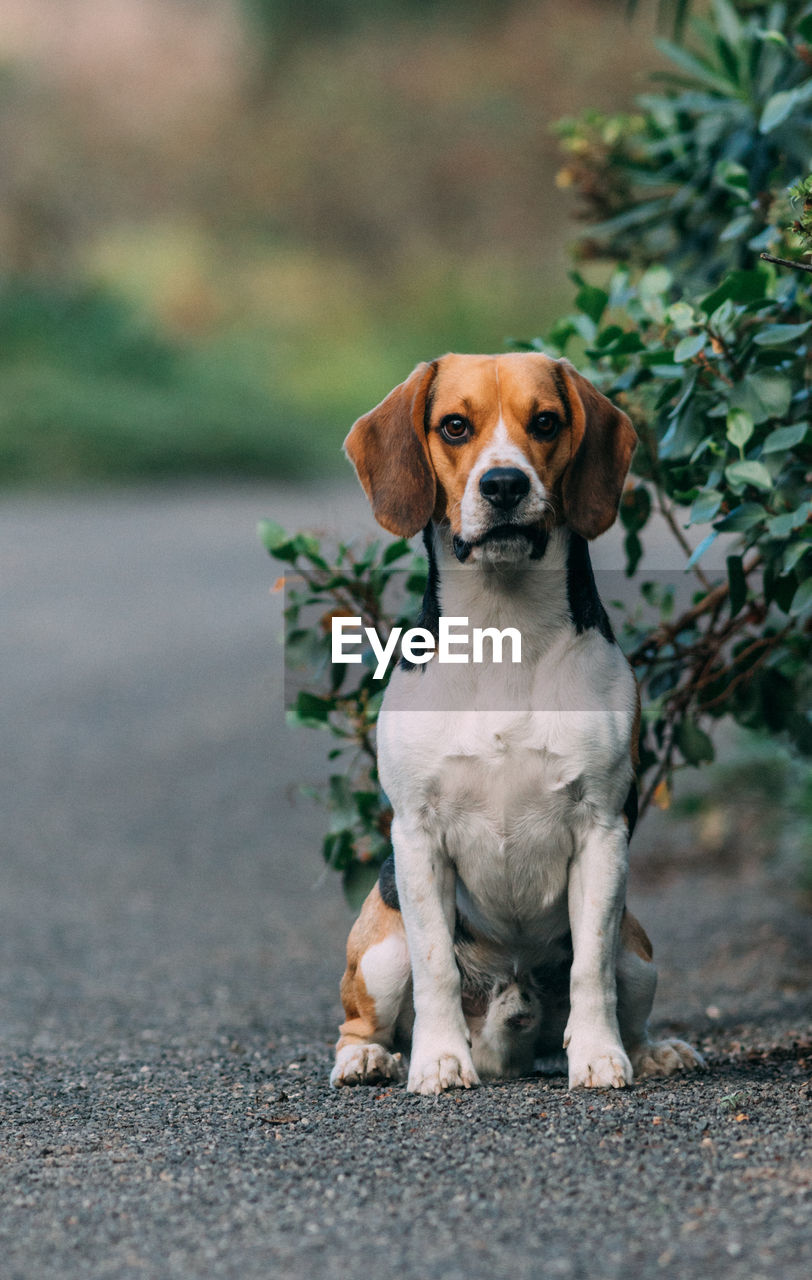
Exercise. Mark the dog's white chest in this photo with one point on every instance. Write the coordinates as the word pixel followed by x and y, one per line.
pixel 508 791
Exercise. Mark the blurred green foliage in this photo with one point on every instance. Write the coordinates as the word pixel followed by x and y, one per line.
pixel 696 177
pixel 284 21
pixel 291 230
pixel 90 390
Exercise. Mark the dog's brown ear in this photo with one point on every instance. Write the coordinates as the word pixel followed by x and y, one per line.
pixel 389 450
pixel 593 482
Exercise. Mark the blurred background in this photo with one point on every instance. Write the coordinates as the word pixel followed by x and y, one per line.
pixel 227 227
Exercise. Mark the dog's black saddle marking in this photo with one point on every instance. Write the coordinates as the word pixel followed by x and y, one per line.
pixel 430 611
pixel 630 808
pixel 386 884
pixel 585 605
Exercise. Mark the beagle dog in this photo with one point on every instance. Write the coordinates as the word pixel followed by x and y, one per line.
pixel 501 932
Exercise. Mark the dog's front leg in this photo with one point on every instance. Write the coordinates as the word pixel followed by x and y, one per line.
pixel 597 891
pixel 426 880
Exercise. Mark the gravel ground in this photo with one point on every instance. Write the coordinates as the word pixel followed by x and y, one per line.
pixel 171 954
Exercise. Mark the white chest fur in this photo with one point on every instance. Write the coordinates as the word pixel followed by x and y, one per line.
pixel 505 768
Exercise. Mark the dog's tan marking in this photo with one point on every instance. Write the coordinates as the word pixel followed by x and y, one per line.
pixel 634 937
pixel 593 482
pixel 388 449
pixel 375 924
pixel 463 385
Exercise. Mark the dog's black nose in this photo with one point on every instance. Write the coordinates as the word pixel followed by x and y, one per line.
pixel 504 487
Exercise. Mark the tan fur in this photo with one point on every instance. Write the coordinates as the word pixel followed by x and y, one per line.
pixel 634 938
pixel 375 923
pixel 388 449
pixel 594 481
pixel 484 389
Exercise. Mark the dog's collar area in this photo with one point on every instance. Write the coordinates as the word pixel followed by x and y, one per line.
pixel 537 537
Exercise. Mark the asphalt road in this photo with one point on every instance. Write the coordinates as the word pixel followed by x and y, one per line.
pixel 171 955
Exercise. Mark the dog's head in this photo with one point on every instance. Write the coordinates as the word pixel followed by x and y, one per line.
pixel 502 447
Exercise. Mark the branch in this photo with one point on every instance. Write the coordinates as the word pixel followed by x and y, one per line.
pixel 785 262
pixel 665 633
pixel 668 515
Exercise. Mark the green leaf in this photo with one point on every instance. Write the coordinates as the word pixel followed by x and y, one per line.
pixel 737 583
pixel 739 427
pixel 271 534
pixel 311 710
pixel 689 347
pixel 778 335
pixel 781 105
pixel 747 472
pixel 395 551
pixel 781 526
pixel 635 507
pixel 693 742
pixel 738 286
pixel 277 541
pixel 337 849
pixel 681 316
pixel 802 600
pixel 696 69
pixel 763 396
pixel 728 22
pixel 699 551
pixel 705 506
pixel 654 283
pixel 634 552
pixel 778 587
pixel 785 438
pixel 794 553
pixel 742 518
pixel 343 810
pixel 592 301
pixel 358 879
pixel 731 174
pixel 684 434
pixel 736 228
pixel 774 37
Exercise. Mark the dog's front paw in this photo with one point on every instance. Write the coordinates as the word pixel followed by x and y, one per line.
pixel 664 1057
pixel 598 1066
pixel 366 1064
pixel 433 1072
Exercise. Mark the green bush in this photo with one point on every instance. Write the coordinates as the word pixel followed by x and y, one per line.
pixel 695 178
pixel 707 348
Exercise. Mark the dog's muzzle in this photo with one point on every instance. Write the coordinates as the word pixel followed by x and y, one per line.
pixel 534 535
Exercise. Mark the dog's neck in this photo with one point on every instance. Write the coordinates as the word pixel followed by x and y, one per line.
pixel 539 596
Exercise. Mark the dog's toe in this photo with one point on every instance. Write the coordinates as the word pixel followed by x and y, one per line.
pixel 664 1057
pixel 610 1069
pixel 445 1071
pixel 365 1064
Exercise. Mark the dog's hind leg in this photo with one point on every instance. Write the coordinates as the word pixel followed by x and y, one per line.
pixel 636 984
pixel 376 994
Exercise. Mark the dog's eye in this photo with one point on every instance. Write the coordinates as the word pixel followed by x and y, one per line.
pixel 545 426
pixel 455 429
